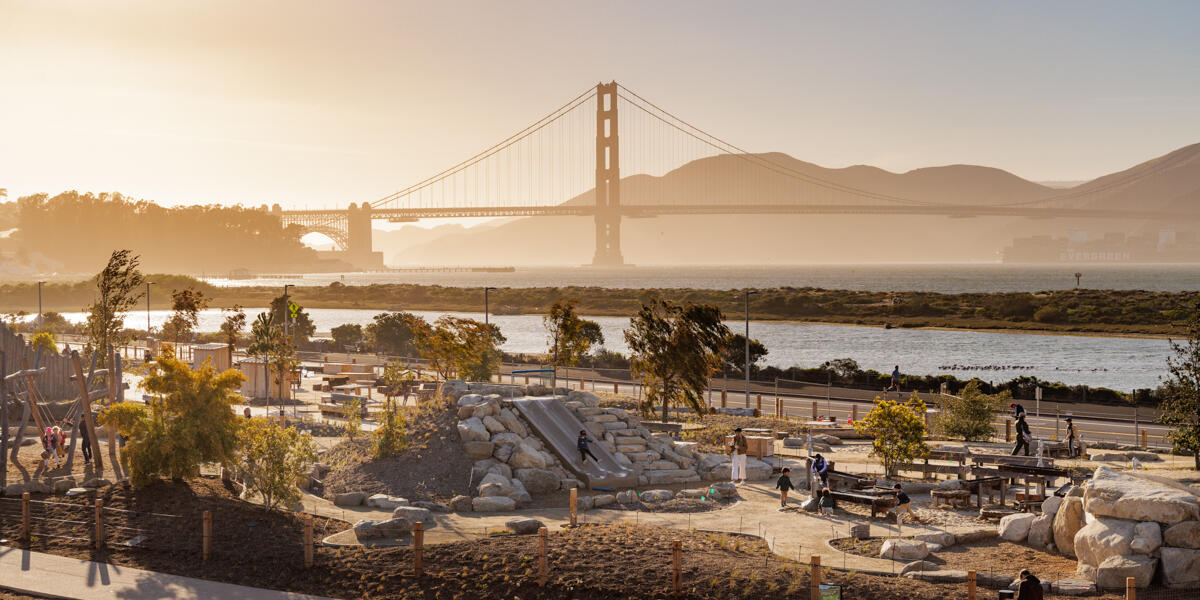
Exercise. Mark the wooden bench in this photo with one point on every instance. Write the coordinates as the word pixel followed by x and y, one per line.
pixel 876 502
pixel 954 498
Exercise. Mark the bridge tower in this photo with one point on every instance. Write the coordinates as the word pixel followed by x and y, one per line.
pixel 359 241
pixel 608 179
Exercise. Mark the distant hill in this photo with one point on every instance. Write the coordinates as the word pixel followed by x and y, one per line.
pixel 793 239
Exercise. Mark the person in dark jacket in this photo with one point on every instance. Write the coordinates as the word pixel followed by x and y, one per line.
pixel 1017 409
pixel 1030 587
pixel 1023 436
pixel 784 485
pixel 1070 438
pixel 85 442
pixel 820 468
pixel 903 503
pixel 582 444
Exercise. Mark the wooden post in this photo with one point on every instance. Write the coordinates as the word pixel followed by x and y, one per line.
pixel 86 406
pixel 1144 444
pixel 1130 588
pixel 814 415
pixel 758 397
pixel 26 531
pixel 676 567
pixel 970 585
pixel 206 535
pixel 1003 492
pixel 724 397
pixel 308 542
pixel 814 578
pixel 616 390
pixel 854 412
pixel 574 506
pixel 418 549
pixel 99 523
pixel 543 568
pixel 1007 431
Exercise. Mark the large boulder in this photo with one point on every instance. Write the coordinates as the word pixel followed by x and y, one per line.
pixel 495 485
pixel 472 430
pixel 479 450
pixel 385 502
pixel 525 456
pixel 901 549
pixel 493 424
pixel 460 504
pixel 918 565
pixel 655 496
pixel 1104 538
pixel 62 486
pixel 489 407
pixel 627 497
pixel 493 504
pixel 520 494
pixel 349 499
pixel 1050 505
pixel 1122 496
pixel 1015 528
pixel 488 465
pixel 522 526
pixel 1073 587
pixel 1067 522
pixel 506 439
pixel 587 399
pixel 724 490
pixel 1183 535
pixel 1181 567
pixel 367 529
pixel 1147 537
pixel 412 513
pixel 537 481
pixel 394 527
pixel 1111 574
pixel 941 538
pixel 757 470
pixel 1041 532
pixel 510 421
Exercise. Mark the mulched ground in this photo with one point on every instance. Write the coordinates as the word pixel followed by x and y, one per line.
pixel 984 557
pixel 434 467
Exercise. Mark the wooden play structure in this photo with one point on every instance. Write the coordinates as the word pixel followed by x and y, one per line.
pixel 32 381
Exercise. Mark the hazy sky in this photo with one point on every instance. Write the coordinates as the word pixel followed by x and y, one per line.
pixel 327 103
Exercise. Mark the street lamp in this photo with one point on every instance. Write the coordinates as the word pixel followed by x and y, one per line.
pixel 39 319
pixel 485 303
pixel 148 284
pixel 287 308
pixel 748 293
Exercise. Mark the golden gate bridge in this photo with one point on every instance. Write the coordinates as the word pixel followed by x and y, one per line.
pixel 602 155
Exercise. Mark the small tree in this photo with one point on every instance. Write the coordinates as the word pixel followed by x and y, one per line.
pixel 299 328
pixel 273 460
pixel 118 288
pixel 899 432
pixel 44 341
pixel 391 437
pixel 969 416
pixel 733 355
pixel 394 333
pixel 1180 405
pixel 190 421
pixel 570 337
pixel 186 305
pixel 268 343
pixel 463 346
pixel 232 326
pixel 350 334
pixel 674 350
pixel 353 408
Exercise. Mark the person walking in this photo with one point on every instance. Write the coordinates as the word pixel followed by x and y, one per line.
pixel 85 441
pixel 1030 587
pixel 50 448
pixel 1070 438
pixel 1023 436
pixel 903 503
pixel 737 451
pixel 895 386
pixel 784 485
pixel 582 444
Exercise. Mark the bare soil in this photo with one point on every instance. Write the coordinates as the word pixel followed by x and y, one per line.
pixel 994 556
pixel 29 465
pixel 433 467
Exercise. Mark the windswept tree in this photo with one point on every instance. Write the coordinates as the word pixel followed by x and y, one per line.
pixel 467 347
pixel 733 355
pixel 232 326
pixel 394 333
pixel 674 350
pixel 186 305
pixel 570 338
pixel 118 289
pixel 1180 405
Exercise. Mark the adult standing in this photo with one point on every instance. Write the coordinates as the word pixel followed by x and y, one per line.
pixel 737 451
pixel 85 439
pixel 1023 436
pixel 895 386
pixel 1070 438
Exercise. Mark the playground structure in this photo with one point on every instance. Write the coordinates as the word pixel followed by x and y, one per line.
pixel 34 383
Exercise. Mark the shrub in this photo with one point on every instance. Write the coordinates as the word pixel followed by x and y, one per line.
pixel 273 460
pixel 969 416
pixel 1050 314
pixel 899 432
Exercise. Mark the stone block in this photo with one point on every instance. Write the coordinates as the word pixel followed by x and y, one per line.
pixel 1122 496
pixel 1181 567
pixel 493 504
pixel 1111 574
pixel 901 549
pixel 522 526
pixel 1067 522
pixel 1015 528
pixel 1183 535
pixel 412 513
pixel 1104 538
pixel 479 450
pixel 349 499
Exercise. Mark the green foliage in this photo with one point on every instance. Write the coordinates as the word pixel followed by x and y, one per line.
pixel 467 347
pixel 190 421
pixel 1050 314
pixel 186 305
pixel 300 328
pixel 674 350
pixel 899 432
pixel 569 337
pixel 54 322
pixel 349 334
pixel 394 333
pixel 733 355
pixel 273 460
pixel 118 288
pixel 969 416
pixel 1180 406
pixel 353 411
pixel 391 437
pixel 44 341
pixel 233 325
pixel 131 419
pixel 268 342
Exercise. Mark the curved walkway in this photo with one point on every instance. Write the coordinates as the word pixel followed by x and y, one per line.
pixel 793 534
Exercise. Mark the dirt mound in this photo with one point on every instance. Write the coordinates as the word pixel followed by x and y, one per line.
pixel 433 467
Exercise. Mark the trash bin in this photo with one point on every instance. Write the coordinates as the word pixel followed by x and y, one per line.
pixel 1007 594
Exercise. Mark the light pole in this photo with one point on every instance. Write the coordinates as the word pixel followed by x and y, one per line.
pixel 287 308
pixel 748 293
pixel 485 304
pixel 39 319
pixel 148 284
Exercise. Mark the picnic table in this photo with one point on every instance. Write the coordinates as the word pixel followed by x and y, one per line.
pixel 354 388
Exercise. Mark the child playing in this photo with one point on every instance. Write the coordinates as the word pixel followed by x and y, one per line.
pixel 783 485
pixel 826 502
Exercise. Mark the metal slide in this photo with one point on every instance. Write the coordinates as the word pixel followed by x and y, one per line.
pixel 559 429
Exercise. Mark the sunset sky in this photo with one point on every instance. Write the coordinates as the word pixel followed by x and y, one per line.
pixel 326 103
